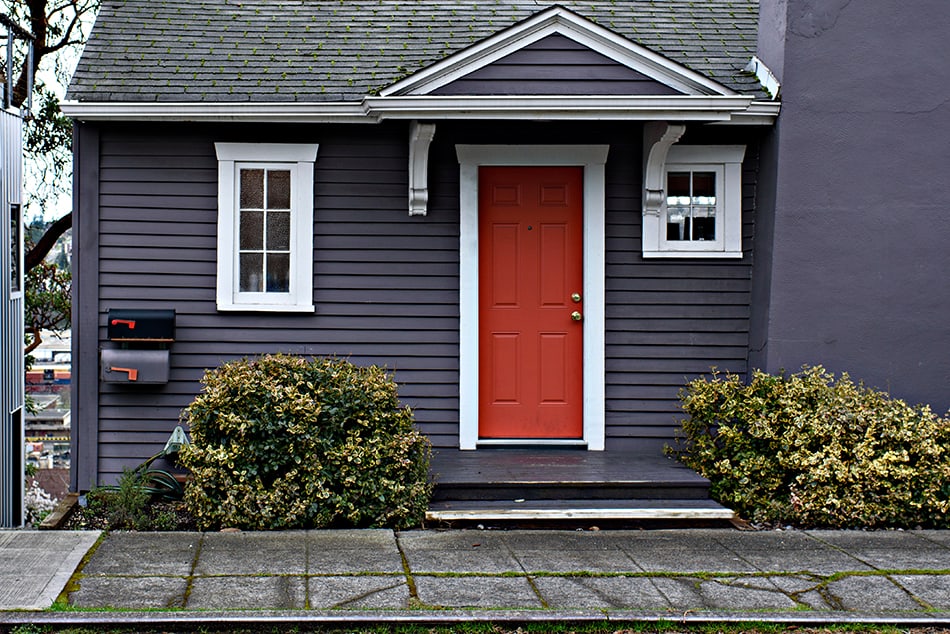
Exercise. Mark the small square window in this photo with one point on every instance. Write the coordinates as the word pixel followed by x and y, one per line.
pixel 701 210
pixel 691 206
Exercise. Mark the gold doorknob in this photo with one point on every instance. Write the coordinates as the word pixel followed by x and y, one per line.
pixel 576 316
pixel 576 298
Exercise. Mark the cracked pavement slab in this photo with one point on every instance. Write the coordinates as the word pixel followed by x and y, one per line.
pixel 695 571
pixel 248 593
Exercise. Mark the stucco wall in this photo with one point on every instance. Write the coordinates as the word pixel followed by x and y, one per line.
pixel 859 166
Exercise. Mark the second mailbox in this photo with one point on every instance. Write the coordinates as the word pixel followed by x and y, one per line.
pixel 141 325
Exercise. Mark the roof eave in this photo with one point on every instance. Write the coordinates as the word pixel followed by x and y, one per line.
pixel 292 112
pixel 738 109
pixel 558 107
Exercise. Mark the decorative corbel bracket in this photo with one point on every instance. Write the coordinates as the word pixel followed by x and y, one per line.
pixel 658 136
pixel 420 136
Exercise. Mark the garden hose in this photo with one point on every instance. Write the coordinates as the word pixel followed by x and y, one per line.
pixel 157 482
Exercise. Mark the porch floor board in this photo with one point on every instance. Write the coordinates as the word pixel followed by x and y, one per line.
pixel 558 466
pixel 532 484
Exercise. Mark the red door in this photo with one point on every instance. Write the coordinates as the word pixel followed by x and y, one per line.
pixel 530 272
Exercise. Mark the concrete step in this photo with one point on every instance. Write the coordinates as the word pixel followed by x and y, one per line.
pixel 587 509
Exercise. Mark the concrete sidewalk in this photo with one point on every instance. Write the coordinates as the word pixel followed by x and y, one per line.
pixel 436 576
pixel 35 566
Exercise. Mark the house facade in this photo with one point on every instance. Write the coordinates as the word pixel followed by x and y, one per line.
pixel 544 219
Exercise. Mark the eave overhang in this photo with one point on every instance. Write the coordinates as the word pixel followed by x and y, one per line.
pixel 727 109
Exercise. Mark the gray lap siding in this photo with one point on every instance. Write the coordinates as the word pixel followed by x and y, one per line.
pixel 385 285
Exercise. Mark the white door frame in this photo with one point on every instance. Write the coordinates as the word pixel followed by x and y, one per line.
pixel 593 159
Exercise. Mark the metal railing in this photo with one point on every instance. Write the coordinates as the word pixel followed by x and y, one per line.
pixel 14 33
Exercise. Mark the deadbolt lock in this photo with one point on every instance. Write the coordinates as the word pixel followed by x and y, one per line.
pixel 576 298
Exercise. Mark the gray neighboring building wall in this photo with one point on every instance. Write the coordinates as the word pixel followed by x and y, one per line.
pixel 852 264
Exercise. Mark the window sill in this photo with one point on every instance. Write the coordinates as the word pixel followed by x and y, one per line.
pixel 267 308
pixel 693 254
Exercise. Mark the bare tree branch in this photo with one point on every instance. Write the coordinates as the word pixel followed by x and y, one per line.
pixel 65 41
pixel 35 339
pixel 46 243
pixel 45 24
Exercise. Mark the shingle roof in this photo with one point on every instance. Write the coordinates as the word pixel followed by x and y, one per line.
pixel 342 50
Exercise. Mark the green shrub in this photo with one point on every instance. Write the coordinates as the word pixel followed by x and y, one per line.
pixel 285 442
pixel 815 451
pixel 123 506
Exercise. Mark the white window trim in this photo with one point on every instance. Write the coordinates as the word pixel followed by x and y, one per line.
pixel 726 161
pixel 593 159
pixel 299 159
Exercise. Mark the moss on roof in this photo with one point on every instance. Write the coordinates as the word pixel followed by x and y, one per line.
pixel 331 50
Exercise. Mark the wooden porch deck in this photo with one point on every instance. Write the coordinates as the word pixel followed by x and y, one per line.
pixel 556 484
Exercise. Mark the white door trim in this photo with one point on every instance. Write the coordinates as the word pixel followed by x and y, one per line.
pixel 593 159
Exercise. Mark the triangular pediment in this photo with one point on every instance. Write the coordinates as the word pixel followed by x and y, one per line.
pixel 632 68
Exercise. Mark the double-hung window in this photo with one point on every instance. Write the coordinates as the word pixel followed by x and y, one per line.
pixel 265 226
pixel 701 214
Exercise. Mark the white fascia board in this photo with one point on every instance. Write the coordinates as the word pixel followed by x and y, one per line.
pixel 758 113
pixel 276 112
pixel 630 108
pixel 557 20
pixel 737 109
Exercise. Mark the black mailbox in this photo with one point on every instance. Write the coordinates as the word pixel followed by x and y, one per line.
pixel 141 325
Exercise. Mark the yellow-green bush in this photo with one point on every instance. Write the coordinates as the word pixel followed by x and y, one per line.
pixel 286 442
pixel 813 450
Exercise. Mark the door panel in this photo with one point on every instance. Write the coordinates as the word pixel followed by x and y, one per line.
pixel 530 263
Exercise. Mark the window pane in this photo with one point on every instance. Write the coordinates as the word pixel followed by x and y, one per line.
pixel 704 184
pixel 677 223
pixel 677 184
pixel 252 230
pixel 252 269
pixel 704 188
pixel 278 272
pixel 252 189
pixel 704 227
pixel 278 189
pixel 278 231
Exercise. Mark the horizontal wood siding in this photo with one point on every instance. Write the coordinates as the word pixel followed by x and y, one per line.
pixel 555 65
pixel 385 284
pixel 668 320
